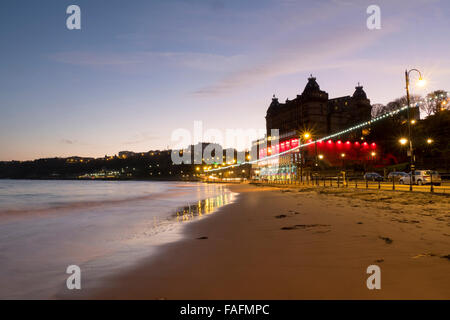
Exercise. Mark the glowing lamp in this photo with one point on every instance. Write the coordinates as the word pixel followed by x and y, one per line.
pixel 421 82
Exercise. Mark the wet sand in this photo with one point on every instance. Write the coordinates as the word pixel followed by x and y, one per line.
pixel 275 243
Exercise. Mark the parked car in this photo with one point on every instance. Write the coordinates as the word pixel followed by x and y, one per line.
pixel 373 176
pixel 396 175
pixel 422 177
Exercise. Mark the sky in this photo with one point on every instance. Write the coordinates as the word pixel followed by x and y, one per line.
pixel 138 70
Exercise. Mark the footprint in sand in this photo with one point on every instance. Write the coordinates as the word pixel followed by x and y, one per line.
pixel 306 226
pixel 386 239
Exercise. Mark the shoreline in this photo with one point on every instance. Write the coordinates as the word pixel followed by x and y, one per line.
pixel 106 232
pixel 298 243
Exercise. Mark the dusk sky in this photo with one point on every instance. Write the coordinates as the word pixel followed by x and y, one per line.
pixel 137 70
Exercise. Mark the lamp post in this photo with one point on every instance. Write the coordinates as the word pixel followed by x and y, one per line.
pixel 411 155
pixel 403 141
pixel 429 142
pixel 306 136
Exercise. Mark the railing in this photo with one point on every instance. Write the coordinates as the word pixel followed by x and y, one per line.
pixel 356 183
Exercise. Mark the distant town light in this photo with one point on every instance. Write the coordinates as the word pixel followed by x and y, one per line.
pixel 403 141
pixel 429 141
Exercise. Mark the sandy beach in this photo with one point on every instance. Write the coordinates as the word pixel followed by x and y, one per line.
pixel 302 243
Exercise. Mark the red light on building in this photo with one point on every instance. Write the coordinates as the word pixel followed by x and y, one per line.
pixel 348 142
pixel 374 145
pixel 339 142
pixel 294 142
pixel 330 142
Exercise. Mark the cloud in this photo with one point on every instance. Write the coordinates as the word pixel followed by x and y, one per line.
pixel 67 141
pixel 323 52
pixel 149 59
pixel 141 137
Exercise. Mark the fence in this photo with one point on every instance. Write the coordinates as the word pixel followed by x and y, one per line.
pixel 355 183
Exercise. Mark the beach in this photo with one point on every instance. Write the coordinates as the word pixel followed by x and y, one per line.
pixel 300 243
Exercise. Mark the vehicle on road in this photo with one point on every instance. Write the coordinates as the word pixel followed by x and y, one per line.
pixel 396 175
pixel 422 177
pixel 373 176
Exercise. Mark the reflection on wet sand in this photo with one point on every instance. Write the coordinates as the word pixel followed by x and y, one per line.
pixel 203 207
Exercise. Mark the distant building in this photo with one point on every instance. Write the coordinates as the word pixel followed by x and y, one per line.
pixel 126 154
pixel 76 159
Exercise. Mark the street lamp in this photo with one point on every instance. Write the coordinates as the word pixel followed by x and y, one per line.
pixel 421 83
pixel 403 141
pixel 305 135
pixel 429 142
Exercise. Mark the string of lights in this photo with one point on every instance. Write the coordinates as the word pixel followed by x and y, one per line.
pixel 358 126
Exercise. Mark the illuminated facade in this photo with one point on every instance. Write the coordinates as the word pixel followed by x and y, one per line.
pixel 313 112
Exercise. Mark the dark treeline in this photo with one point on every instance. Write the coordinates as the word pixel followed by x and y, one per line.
pixel 156 166
pixel 430 138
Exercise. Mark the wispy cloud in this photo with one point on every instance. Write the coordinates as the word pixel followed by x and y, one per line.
pixel 68 141
pixel 141 137
pixel 149 59
pixel 321 53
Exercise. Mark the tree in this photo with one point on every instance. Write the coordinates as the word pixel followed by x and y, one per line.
pixel 377 109
pixel 434 102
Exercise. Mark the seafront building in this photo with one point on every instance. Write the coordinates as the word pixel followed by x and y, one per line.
pixel 309 117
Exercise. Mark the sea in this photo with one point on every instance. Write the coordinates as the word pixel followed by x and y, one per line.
pixel 101 227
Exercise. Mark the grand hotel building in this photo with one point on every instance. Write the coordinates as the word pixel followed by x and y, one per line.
pixel 312 112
